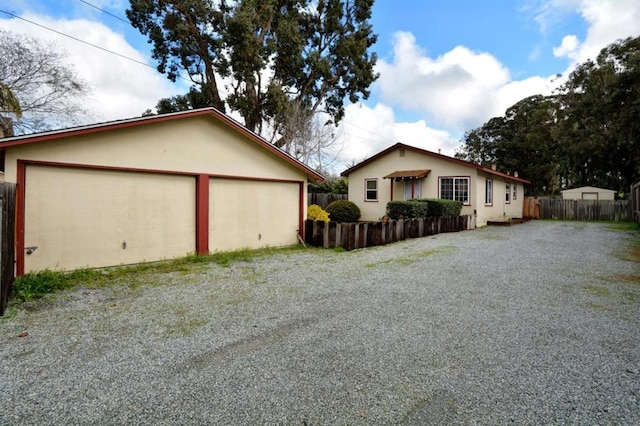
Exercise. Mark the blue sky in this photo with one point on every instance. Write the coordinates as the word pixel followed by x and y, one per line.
pixel 446 66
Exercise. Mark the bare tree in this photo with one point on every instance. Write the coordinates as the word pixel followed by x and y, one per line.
pixel 309 137
pixel 9 107
pixel 47 89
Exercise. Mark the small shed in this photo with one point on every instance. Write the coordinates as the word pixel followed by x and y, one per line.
pixel 588 193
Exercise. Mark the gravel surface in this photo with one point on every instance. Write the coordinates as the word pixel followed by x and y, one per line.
pixel 532 324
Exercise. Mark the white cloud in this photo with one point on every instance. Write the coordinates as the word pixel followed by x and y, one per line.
pixel 568 47
pixel 120 88
pixel 607 20
pixel 458 90
pixel 368 131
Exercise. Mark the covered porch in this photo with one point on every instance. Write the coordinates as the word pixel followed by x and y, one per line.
pixel 406 182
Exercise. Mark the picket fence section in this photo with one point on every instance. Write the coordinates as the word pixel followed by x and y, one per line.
pixel 585 210
pixel 351 236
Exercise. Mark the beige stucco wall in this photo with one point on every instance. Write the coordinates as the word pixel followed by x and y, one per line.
pixel 588 193
pixel 79 217
pixel 392 161
pixel 252 214
pixel 500 210
pixel 198 144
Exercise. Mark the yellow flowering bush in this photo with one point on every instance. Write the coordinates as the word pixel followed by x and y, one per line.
pixel 315 212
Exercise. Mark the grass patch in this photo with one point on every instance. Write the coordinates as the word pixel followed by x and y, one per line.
pixel 597 290
pixel 411 258
pixel 443 249
pixel 36 285
pixel 594 306
pixel 622 226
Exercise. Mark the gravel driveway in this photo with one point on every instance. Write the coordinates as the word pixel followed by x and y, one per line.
pixel 533 324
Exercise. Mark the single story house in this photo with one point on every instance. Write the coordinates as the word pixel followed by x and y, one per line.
pixel 403 172
pixel 588 193
pixel 150 188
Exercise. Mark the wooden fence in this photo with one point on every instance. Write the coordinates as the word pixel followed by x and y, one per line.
pixel 596 210
pixel 352 236
pixel 323 200
pixel 634 200
pixel 7 247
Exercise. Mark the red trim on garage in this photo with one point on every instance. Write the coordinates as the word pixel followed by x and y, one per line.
pixel 138 121
pixel 202 214
pixel 202 200
pixel 301 210
pixel 20 207
pixel 157 171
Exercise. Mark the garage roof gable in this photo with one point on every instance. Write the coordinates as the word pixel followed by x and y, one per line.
pixel 139 121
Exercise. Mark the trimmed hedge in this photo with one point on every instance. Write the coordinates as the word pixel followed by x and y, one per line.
pixel 439 207
pixel 343 211
pixel 406 209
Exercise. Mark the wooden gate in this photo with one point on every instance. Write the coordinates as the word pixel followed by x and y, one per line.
pixel 7 245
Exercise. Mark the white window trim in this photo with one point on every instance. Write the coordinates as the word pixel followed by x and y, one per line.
pixel 366 190
pixel 488 184
pixel 507 193
pixel 468 178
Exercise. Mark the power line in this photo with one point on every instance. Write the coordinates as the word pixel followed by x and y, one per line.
pixel 77 39
pixel 126 21
pixel 13 15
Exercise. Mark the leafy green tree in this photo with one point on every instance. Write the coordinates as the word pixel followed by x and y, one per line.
pixel 266 56
pixel 600 106
pixel 586 134
pixel 524 140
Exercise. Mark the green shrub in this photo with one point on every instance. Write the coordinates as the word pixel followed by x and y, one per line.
pixel 343 211
pixel 315 212
pixel 439 207
pixel 406 209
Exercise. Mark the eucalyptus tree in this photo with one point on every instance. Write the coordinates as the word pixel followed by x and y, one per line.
pixel 263 59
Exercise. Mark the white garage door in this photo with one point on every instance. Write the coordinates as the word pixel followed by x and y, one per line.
pixel 92 218
pixel 252 214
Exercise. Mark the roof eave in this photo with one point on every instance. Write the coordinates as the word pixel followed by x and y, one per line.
pixel 136 121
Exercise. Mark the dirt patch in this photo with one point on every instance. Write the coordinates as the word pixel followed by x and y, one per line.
pixel 632 278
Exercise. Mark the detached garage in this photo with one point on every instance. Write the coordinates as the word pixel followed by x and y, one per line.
pixel 151 188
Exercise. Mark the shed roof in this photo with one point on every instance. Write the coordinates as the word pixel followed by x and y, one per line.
pixel 433 154
pixel 140 121
pixel 587 189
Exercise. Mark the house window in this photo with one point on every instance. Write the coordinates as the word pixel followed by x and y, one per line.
pixel 507 193
pixel 412 189
pixel 371 189
pixel 455 188
pixel 401 151
pixel 515 191
pixel 488 192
